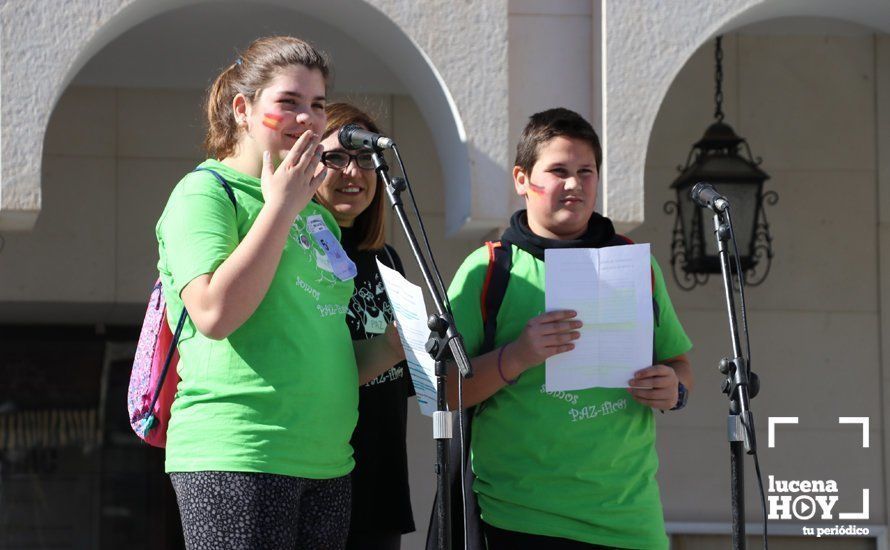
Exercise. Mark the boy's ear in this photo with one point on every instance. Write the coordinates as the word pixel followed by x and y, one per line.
pixel 520 181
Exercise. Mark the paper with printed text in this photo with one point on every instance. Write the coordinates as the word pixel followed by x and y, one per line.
pixel 407 303
pixel 611 289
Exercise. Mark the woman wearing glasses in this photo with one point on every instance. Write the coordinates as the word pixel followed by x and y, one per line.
pixel 352 192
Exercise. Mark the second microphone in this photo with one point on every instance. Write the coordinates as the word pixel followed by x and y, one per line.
pixel 353 136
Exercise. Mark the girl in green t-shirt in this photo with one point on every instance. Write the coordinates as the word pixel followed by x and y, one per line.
pixel 258 443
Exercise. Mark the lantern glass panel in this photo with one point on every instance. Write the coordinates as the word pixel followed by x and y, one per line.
pixel 742 198
pixel 690 216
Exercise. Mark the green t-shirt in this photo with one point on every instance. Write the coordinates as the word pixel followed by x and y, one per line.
pixel 280 394
pixel 577 464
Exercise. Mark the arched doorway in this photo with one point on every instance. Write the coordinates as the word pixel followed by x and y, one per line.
pixel 808 94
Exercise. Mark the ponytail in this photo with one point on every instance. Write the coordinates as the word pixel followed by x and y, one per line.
pixel 221 126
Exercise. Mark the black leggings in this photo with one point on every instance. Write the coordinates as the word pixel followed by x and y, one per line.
pixel 250 511
pixel 501 539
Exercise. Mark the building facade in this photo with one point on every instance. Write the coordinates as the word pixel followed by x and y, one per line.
pixel 100 115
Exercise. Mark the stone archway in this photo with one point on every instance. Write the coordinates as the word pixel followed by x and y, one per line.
pixel 647 44
pixel 45 45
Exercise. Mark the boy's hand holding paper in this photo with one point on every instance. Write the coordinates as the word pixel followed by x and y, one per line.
pixel 655 386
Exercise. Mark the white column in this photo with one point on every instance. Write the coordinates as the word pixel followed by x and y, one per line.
pixel 882 103
pixel 551 62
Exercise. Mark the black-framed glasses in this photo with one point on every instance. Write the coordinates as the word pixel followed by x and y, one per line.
pixel 339 160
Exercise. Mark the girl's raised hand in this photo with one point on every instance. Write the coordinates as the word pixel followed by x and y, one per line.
pixel 293 183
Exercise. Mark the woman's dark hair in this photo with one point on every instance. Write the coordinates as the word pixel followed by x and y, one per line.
pixel 370 224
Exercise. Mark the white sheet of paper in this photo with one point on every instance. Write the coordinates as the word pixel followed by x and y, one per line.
pixel 611 289
pixel 407 304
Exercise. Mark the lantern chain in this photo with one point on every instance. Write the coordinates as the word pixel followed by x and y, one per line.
pixel 718 80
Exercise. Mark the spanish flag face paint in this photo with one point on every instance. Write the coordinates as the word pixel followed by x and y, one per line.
pixel 536 189
pixel 272 121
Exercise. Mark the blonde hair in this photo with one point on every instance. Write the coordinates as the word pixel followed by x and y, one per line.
pixel 253 71
pixel 370 224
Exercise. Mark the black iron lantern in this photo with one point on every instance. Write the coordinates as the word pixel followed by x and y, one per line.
pixel 717 158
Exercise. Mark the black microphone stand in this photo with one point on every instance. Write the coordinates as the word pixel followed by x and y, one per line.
pixel 741 385
pixel 444 344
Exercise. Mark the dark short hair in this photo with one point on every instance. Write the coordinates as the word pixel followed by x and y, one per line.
pixel 552 123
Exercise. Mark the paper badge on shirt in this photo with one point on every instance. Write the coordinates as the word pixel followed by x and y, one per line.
pixel 334 257
pixel 314 254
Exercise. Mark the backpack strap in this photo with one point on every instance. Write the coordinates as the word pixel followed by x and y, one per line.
pixel 500 259
pixel 222 182
pixel 156 394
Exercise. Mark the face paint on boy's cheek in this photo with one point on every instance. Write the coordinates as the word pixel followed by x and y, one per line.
pixel 536 189
pixel 272 121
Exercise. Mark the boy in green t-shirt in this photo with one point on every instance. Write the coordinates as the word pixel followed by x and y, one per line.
pixel 561 469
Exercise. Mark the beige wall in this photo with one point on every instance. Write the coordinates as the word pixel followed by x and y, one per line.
pixel 112 157
pixel 551 62
pixel 807 105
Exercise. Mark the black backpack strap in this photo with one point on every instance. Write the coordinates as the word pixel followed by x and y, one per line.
pixel 222 182
pixel 184 315
pixel 500 260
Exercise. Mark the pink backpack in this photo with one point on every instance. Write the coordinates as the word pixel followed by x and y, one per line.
pixel 151 390
pixel 148 398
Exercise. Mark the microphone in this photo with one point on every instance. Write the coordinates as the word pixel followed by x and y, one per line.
pixel 352 136
pixel 704 195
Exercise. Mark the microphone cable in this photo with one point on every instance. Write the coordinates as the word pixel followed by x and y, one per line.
pixel 749 430
pixel 440 285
